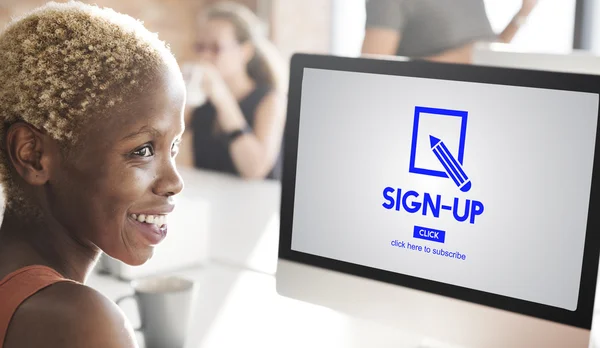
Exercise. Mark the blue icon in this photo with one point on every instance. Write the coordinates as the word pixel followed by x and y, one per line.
pixel 453 168
pixel 452 165
pixel 429 234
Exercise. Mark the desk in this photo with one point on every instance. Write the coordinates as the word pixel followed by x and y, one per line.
pixel 240 308
pixel 236 307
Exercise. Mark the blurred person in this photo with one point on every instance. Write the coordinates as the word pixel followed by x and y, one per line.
pixel 443 31
pixel 239 129
pixel 91 109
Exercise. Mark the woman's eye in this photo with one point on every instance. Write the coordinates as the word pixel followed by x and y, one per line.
pixel 145 151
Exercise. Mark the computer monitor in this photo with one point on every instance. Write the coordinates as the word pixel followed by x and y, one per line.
pixel 507 56
pixel 451 201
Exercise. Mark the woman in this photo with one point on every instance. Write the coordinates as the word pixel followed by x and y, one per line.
pixel 239 131
pixel 443 31
pixel 92 112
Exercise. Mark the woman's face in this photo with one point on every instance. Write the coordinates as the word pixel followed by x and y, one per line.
pixel 124 169
pixel 217 43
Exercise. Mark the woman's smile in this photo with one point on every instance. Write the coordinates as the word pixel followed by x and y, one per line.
pixel 151 223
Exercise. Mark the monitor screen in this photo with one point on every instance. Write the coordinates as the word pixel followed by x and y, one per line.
pixel 473 185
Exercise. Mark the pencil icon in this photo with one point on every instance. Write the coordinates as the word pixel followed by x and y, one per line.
pixel 451 165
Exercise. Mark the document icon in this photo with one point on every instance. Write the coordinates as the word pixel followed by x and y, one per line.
pixel 438 144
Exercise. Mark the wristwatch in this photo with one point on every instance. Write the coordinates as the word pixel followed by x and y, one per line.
pixel 232 136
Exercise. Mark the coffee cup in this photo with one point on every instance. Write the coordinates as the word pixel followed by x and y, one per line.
pixel 164 306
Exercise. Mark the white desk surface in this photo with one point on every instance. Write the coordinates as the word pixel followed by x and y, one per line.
pixel 240 308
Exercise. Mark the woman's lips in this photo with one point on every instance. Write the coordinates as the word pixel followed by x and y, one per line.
pixel 154 232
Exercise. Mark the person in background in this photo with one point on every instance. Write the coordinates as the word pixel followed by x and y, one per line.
pixel 239 129
pixel 91 114
pixel 443 31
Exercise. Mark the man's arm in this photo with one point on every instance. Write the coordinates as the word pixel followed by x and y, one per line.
pixel 508 34
pixel 385 42
pixel 459 55
pixel 384 22
pixel 380 41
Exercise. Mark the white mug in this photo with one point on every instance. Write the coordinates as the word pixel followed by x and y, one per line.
pixel 164 306
pixel 192 75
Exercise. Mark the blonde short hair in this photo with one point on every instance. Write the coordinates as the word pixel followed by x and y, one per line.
pixel 63 64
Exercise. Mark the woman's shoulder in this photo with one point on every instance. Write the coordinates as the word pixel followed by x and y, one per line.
pixel 68 314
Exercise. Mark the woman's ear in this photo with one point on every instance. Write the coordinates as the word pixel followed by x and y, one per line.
pixel 29 152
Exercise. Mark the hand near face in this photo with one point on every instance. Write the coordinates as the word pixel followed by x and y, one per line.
pixel 213 83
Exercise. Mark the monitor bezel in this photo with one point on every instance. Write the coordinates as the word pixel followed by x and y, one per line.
pixel 581 317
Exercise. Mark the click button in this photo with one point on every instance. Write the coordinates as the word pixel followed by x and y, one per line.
pixel 429 234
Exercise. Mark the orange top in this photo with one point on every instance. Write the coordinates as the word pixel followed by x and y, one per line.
pixel 18 286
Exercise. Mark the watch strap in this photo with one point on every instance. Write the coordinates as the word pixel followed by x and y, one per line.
pixel 232 136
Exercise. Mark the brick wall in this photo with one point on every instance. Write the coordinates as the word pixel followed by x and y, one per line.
pixel 172 19
pixel 301 26
pixel 295 25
